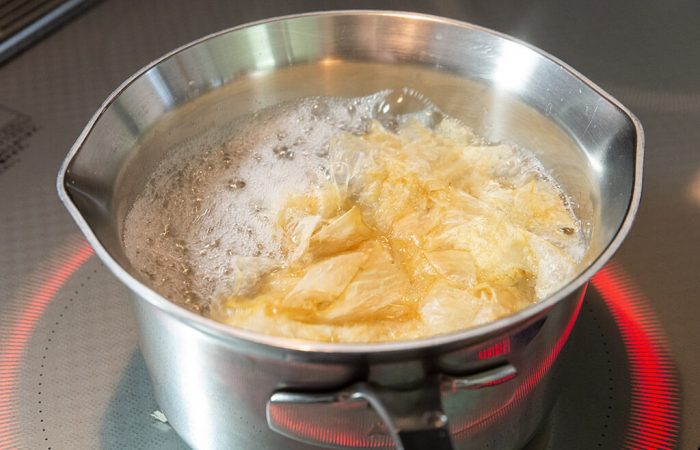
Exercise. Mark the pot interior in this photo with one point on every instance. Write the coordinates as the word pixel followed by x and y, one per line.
pixel 504 90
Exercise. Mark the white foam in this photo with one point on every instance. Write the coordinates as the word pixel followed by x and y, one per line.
pixel 212 203
pixel 213 199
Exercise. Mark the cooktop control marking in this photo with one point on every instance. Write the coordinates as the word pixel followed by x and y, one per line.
pixel 15 129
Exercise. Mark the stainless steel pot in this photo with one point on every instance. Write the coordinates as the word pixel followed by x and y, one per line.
pixel 488 386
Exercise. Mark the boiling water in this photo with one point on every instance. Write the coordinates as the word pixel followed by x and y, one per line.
pixel 208 213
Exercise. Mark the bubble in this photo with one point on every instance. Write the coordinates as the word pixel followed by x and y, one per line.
pixel 325 171
pixel 567 230
pixel 325 149
pixel 191 297
pixel 319 109
pixel 181 245
pixel 402 104
pixel 283 152
pixel 235 184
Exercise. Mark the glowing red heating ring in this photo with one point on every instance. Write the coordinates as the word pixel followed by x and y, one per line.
pixel 654 414
pixel 40 290
pixel 654 410
pixel 654 403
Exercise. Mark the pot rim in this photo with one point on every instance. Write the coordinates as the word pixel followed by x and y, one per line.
pixel 230 334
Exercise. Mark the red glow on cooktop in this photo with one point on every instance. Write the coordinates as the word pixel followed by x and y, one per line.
pixel 36 296
pixel 654 404
pixel 654 400
pixel 654 412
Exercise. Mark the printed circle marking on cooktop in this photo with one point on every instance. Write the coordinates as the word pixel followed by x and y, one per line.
pixel 70 366
pixel 45 382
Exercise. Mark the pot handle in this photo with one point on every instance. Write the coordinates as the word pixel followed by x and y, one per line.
pixel 414 418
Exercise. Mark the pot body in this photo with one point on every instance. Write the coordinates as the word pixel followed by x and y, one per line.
pixel 215 393
pixel 226 388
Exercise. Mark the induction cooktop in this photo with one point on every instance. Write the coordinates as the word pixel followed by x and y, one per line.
pixel 71 374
